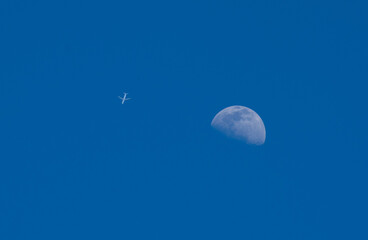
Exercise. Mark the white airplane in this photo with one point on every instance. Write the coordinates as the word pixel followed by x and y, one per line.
pixel 123 99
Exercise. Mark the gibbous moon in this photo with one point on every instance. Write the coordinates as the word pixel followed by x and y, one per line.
pixel 241 123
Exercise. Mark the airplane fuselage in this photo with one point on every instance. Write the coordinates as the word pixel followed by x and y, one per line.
pixel 124 98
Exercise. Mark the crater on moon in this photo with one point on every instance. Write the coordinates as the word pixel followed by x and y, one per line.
pixel 241 123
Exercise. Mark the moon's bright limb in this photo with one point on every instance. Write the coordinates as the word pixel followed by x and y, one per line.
pixel 240 123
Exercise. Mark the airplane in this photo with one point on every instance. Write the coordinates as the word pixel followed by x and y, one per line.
pixel 123 99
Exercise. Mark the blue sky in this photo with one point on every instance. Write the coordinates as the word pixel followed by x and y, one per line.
pixel 76 164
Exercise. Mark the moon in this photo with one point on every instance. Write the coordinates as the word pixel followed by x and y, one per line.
pixel 241 123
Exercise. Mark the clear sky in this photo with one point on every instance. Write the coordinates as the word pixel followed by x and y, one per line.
pixel 76 164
